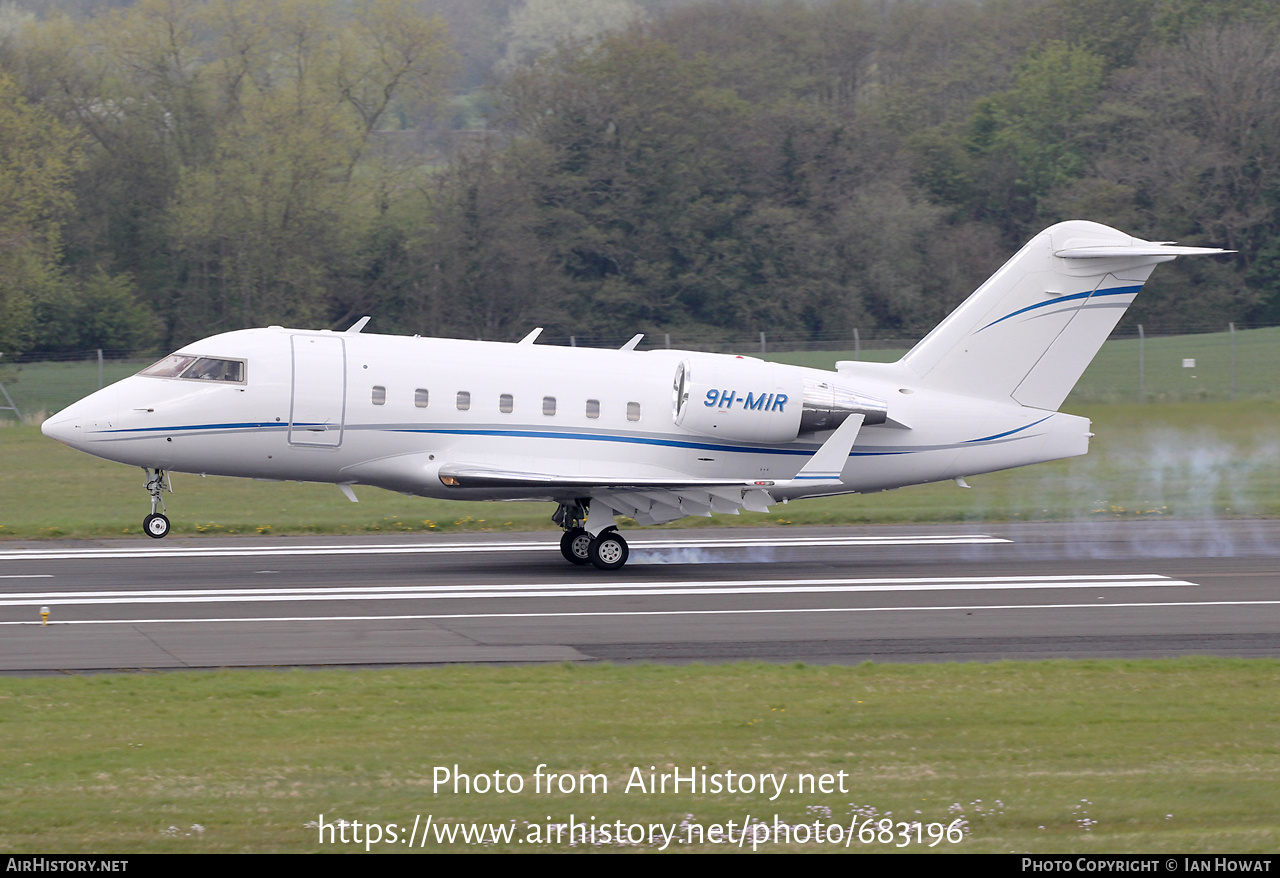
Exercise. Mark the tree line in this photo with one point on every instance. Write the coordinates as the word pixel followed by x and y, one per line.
pixel 174 168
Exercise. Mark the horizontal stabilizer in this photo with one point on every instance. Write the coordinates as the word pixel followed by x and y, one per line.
pixel 1148 249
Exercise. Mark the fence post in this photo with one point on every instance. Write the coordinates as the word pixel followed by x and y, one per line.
pixel 762 346
pixel 1232 327
pixel 573 341
pixel 9 399
pixel 1142 376
pixel 668 338
pixel 99 368
pixel 857 345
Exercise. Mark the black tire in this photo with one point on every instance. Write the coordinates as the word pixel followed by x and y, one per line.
pixel 608 551
pixel 574 545
pixel 156 526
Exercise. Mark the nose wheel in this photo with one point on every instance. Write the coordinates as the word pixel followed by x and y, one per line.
pixel 156 525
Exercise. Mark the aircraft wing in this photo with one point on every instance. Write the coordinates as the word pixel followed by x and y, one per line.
pixel 657 497
pixel 648 500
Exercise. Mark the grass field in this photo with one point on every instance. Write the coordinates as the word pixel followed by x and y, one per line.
pixel 1102 756
pixel 1189 460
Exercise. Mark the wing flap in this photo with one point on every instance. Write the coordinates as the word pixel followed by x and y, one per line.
pixel 659 507
pixel 463 476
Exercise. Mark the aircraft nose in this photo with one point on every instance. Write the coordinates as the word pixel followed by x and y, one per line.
pixel 64 427
pixel 77 424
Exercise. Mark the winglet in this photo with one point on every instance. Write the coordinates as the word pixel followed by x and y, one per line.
pixel 358 326
pixel 825 466
pixel 631 345
pixel 531 337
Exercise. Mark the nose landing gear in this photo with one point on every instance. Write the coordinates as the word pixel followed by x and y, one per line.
pixel 156 525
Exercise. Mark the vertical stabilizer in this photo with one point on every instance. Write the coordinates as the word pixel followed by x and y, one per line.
pixel 1029 332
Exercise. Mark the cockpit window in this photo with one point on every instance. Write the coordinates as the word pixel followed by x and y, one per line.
pixel 210 369
pixel 170 367
pixel 198 369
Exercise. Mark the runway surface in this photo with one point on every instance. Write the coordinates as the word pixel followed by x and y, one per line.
pixel 834 595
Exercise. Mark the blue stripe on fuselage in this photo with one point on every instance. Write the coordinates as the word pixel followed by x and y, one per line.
pixel 589 437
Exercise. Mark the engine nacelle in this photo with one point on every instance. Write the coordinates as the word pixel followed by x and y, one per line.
pixel 756 401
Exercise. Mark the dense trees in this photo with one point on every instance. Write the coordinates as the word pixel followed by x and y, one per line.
pixel 236 155
pixel 172 168
pixel 36 155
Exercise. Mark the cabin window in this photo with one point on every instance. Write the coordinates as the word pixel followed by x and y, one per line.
pixel 593 408
pixel 633 411
pixel 420 398
pixel 506 403
pixel 548 405
pixel 464 400
pixel 379 395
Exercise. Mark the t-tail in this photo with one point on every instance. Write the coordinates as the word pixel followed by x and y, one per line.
pixel 1029 332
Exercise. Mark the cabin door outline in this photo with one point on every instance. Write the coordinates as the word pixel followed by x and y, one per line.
pixel 318 400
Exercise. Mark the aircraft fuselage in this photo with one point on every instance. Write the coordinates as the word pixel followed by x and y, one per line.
pixel 391 411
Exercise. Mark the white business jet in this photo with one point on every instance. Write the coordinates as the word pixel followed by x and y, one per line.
pixel 652 435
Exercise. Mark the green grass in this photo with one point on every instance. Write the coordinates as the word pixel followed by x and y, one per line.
pixel 1190 460
pixel 1174 755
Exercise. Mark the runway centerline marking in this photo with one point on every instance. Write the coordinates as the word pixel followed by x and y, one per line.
pixel 601 613
pixel 594 589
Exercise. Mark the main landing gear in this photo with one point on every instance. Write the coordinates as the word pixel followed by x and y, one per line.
pixel 156 525
pixel 606 550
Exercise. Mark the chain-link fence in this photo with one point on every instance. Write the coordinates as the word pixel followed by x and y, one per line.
pixel 1193 363
pixel 33 386
pixel 1233 362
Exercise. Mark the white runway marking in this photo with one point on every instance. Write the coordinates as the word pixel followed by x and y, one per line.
pixel 589 614
pixel 589 589
pixel 551 544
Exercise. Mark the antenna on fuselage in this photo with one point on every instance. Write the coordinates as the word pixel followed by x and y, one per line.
pixel 531 337
pixel 358 325
pixel 631 345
